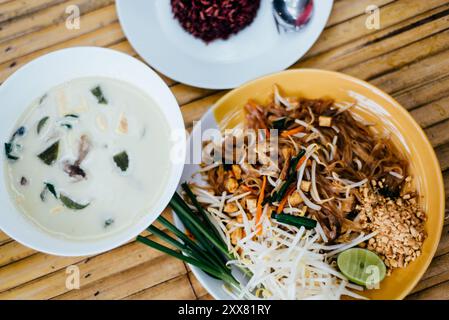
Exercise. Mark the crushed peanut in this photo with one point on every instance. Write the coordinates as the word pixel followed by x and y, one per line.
pixel 400 227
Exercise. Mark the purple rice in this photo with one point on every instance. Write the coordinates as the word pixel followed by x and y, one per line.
pixel 214 19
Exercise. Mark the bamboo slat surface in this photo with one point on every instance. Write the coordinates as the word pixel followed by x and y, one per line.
pixel 408 57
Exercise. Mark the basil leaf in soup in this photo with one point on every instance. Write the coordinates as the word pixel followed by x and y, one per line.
pixel 67 125
pixel 8 151
pixel 42 99
pixel 75 116
pixel 98 93
pixel 50 155
pixel 11 145
pixel 69 119
pixel 70 204
pixel 48 187
pixel 52 189
pixel 122 160
pixel 41 124
pixel 108 223
pixel 19 132
pixel 23 181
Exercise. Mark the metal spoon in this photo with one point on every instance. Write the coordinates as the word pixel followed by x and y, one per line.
pixel 292 15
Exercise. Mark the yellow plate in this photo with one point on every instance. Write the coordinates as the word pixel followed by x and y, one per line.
pixel 389 116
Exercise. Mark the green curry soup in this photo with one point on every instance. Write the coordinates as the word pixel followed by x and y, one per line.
pixel 82 161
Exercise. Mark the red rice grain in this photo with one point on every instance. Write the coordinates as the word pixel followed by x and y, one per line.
pixel 214 19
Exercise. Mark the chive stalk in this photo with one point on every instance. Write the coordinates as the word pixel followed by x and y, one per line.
pixel 291 176
pixel 200 208
pixel 178 245
pixel 226 277
pixel 180 210
pixel 207 246
pixel 187 241
pixel 187 250
pixel 211 247
pixel 207 250
pixel 295 220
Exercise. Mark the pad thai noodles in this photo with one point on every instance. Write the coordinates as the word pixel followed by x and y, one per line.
pixel 300 182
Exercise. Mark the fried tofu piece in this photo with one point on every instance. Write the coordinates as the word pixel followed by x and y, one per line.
pixel 231 185
pixel 230 208
pixel 305 185
pixel 251 204
pixel 295 199
pixel 325 121
pixel 237 171
pixel 236 235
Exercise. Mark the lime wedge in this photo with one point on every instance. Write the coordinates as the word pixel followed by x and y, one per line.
pixel 362 267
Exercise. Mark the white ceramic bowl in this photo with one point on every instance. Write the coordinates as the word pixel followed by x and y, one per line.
pixel 44 73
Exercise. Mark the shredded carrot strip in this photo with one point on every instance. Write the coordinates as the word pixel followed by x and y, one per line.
pixel 285 199
pixel 300 162
pixel 246 188
pixel 259 205
pixel 291 132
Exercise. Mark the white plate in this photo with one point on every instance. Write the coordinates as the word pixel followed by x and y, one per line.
pixel 255 51
pixel 208 121
pixel 44 73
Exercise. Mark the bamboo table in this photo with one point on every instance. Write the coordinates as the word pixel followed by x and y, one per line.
pixel 407 57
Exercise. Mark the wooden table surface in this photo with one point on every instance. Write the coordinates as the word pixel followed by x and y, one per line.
pixel 408 57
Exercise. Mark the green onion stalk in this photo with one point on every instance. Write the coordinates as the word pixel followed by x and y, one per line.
pixel 207 250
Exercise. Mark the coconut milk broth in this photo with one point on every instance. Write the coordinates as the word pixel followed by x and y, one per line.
pixel 118 179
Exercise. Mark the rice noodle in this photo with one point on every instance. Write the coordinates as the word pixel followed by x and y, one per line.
pixel 358 163
pixel 336 129
pixel 321 232
pixel 309 151
pixel 279 99
pixel 343 108
pixel 396 175
pixel 307 202
pixel 352 244
pixel 210 167
pixel 310 127
pixel 241 196
pixel 312 116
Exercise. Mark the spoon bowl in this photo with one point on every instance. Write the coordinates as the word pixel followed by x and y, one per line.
pixel 292 15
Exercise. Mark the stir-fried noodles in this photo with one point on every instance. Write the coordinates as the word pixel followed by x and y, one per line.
pixel 301 181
